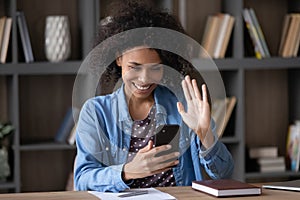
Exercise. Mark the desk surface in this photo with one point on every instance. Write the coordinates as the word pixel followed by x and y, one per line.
pixel 181 193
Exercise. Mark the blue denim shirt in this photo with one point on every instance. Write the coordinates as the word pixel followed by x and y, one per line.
pixel 103 139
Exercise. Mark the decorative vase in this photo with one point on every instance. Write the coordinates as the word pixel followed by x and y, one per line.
pixel 57 38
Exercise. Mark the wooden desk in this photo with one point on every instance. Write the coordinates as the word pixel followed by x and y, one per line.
pixel 181 193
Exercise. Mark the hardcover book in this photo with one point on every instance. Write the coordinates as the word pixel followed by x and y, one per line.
pixel 5 39
pixel 221 112
pixel 2 25
pixel 65 127
pixel 22 25
pixel 226 187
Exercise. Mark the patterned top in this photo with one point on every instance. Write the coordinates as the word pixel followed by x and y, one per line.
pixel 142 132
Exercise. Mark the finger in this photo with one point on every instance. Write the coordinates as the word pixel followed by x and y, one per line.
pixel 159 171
pixel 164 165
pixel 181 111
pixel 147 148
pixel 190 86
pixel 204 93
pixel 171 156
pixel 180 107
pixel 186 91
pixel 196 89
pixel 161 148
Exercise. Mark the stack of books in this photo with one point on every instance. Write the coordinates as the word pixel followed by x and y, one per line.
pixel 290 36
pixel 267 159
pixel 5 37
pixel 256 34
pixel 217 34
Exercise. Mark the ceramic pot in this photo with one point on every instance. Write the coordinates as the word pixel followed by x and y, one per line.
pixel 57 38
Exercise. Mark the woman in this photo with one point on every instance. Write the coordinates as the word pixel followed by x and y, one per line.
pixel 116 132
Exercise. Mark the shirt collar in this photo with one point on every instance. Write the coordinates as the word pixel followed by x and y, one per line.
pixel 123 112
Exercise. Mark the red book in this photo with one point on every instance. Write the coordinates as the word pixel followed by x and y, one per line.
pixel 226 187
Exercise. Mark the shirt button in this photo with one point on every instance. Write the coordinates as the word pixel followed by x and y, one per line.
pixel 124 149
pixel 106 148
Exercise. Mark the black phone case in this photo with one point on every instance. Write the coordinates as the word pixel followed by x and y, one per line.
pixel 168 134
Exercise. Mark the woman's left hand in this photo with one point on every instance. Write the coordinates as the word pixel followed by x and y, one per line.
pixel 198 115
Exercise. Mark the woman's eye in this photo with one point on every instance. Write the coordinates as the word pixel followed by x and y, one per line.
pixel 157 68
pixel 136 68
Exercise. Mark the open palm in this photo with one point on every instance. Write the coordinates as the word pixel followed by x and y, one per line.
pixel 197 116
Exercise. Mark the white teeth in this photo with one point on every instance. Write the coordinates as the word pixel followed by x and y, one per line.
pixel 142 87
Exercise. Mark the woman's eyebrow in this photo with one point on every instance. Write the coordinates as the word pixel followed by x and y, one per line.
pixel 135 63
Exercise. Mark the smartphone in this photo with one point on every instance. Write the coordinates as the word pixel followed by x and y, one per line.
pixel 167 134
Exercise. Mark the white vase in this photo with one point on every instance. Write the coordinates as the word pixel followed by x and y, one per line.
pixel 57 38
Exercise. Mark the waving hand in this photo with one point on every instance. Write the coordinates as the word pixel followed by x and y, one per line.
pixel 197 116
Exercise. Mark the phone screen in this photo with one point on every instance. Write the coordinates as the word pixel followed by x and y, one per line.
pixel 168 134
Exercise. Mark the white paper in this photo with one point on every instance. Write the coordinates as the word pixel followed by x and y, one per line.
pixel 152 194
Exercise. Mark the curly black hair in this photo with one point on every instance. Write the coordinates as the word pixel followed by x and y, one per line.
pixel 131 14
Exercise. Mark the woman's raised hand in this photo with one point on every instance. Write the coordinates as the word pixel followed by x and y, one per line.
pixel 198 115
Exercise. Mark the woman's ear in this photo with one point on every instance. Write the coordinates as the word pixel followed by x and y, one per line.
pixel 119 60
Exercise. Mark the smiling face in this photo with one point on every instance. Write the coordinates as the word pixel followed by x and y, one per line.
pixel 141 72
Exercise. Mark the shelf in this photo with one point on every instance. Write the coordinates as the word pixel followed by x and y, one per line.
pixel 257 175
pixel 230 140
pixel 251 63
pixel 40 68
pixel 71 67
pixel 37 93
pixel 263 64
pixel 46 146
pixel 7 185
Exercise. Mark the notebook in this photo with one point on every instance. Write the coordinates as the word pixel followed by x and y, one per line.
pixel 226 187
pixel 285 185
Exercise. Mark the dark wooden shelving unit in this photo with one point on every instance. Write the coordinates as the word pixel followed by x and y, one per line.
pixel 36 95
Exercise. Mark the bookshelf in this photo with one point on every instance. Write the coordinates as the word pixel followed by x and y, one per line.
pixel 266 90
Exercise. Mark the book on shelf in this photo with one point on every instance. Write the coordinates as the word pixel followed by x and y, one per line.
pixel 272 168
pixel 297 39
pixel 5 39
pixel 258 48
pixel 217 34
pixel 290 36
pixel 223 36
pixel 266 159
pixel 293 185
pixel 226 187
pixel 227 36
pixel 285 27
pixel 221 112
pixel 25 38
pixel 293 146
pixel 210 34
pixel 264 151
pixel 2 25
pixel 65 127
pixel 260 33
pixel 271 160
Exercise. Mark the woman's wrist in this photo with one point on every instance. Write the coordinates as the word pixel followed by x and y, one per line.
pixel 125 174
pixel 208 140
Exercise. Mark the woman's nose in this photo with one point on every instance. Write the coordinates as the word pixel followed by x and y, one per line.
pixel 144 76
